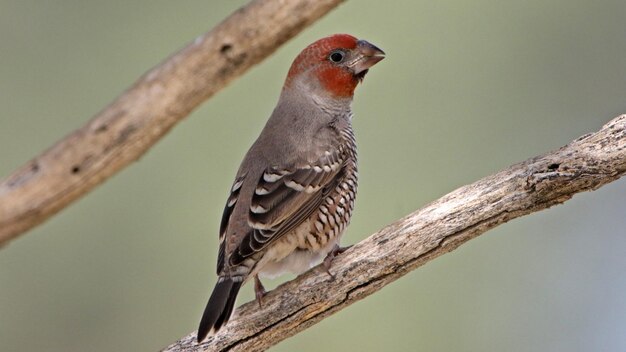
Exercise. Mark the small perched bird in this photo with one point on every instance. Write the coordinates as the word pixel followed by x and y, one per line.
pixel 294 192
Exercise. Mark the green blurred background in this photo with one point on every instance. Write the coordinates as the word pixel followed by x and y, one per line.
pixel 467 89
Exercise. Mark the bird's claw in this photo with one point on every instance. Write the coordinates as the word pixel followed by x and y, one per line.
pixel 259 291
pixel 330 256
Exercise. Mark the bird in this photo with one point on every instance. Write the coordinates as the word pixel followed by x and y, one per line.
pixel 293 195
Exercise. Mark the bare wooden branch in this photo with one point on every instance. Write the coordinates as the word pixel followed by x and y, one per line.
pixel 585 164
pixel 131 124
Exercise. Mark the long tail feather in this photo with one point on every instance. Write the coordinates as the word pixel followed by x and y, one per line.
pixel 219 308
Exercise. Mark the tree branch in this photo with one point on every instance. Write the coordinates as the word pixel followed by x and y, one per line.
pixel 131 124
pixel 585 164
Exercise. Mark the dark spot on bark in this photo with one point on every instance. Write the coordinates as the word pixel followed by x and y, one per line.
pixel 225 48
pixel 554 166
pixel 34 167
pixel 102 128
pixel 125 133
pixel 383 241
pixel 82 165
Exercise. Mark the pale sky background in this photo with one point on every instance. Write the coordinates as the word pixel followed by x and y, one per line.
pixel 467 89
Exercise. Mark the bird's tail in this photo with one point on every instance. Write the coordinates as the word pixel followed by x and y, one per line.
pixel 220 306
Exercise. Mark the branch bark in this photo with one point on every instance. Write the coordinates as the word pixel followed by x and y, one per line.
pixel 585 164
pixel 131 124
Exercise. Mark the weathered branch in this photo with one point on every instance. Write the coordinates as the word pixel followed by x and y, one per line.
pixel 585 164
pixel 131 124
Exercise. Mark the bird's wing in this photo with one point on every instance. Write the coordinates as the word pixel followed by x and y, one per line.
pixel 233 197
pixel 283 198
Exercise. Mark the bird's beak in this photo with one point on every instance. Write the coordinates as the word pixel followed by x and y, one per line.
pixel 369 55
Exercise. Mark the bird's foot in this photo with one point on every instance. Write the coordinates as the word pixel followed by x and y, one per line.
pixel 330 256
pixel 259 291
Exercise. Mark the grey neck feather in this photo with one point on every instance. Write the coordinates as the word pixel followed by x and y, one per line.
pixel 307 91
pixel 296 126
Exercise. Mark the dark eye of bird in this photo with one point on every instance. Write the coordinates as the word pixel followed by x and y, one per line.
pixel 336 56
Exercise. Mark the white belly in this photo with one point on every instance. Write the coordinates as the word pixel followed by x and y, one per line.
pixel 286 258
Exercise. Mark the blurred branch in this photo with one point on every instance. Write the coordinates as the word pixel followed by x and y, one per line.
pixel 585 164
pixel 130 125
